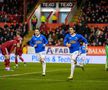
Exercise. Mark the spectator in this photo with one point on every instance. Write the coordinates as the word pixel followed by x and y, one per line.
pixel 34 21
pixel 54 18
pixel 43 19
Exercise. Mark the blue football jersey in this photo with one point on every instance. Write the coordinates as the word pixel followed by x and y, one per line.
pixel 74 41
pixel 40 42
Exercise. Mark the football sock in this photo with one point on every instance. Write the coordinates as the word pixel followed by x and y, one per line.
pixel 16 60
pixel 21 59
pixel 72 68
pixel 44 67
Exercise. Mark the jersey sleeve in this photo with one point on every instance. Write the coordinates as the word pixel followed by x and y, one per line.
pixel 45 40
pixel 83 39
pixel 65 40
pixel 31 42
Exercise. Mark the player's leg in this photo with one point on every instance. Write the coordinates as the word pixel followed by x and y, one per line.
pixel 16 60
pixel 7 58
pixel 80 61
pixel 73 64
pixel 21 58
pixel 43 62
pixel 72 69
pixel 7 62
pixel 83 59
pixel 19 55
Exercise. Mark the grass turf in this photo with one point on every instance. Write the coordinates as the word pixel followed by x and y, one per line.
pixel 29 77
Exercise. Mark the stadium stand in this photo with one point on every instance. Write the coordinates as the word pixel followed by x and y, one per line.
pixel 8 32
pixel 95 11
pixel 59 0
pixel 10 11
pixel 95 35
pixel 31 4
pixel 11 18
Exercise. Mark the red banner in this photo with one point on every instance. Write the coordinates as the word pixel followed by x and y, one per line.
pixel 96 50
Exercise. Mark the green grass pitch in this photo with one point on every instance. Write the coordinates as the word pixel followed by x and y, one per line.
pixel 29 77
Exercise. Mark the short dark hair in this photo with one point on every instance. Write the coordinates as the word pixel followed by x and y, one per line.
pixel 72 28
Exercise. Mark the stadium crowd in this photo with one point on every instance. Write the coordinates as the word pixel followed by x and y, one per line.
pixel 9 32
pixel 11 13
pixel 95 11
pixel 12 10
pixel 96 36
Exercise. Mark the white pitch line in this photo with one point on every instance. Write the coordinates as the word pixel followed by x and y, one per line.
pixel 32 79
pixel 57 80
pixel 12 75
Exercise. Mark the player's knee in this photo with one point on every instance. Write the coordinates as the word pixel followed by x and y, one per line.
pixel 20 57
pixel 42 60
pixel 6 56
